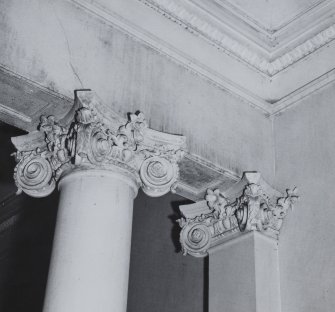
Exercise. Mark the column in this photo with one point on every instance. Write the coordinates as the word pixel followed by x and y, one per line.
pixel 91 251
pixel 239 230
pixel 99 161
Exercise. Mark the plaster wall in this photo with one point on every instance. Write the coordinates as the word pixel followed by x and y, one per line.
pixel 305 147
pixel 62 47
pixel 161 278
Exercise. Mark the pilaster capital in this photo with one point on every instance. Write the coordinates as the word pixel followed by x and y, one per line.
pixel 91 136
pixel 250 205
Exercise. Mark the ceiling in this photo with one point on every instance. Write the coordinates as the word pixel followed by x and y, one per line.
pixel 274 26
pixel 271 15
pixel 269 53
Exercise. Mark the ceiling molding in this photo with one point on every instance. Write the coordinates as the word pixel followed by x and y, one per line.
pixel 225 41
pixel 224 70
pixel 118 20
pixel 295 97
pixel 5 110
pixel 271 30
pixel 18 92
pixel 311 63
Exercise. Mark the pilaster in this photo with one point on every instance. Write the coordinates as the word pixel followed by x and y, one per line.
pixel 239 229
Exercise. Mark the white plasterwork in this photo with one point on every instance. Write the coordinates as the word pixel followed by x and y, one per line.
pixel 228 40
pixel 91 136
pixel 298 69
pixel 250 205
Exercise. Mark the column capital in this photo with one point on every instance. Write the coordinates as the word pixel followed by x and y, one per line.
pixel 249 205
pixel 91 136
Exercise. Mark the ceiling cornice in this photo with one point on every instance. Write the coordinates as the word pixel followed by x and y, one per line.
pixel 319 7
pixel 309 66
pixel 139 28
pixel 307 73
pixel 224 37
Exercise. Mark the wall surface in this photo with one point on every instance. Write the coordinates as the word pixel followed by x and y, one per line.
pixel 62 47
pixel 305 148
pixel 161 278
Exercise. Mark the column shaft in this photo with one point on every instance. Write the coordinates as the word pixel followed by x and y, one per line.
pixel 90 259
pixel 244 275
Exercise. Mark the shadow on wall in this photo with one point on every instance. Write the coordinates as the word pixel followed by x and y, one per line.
pixel 175 226
pixel 25 245
pixel 175 239
pixel 25 262
pixel 161 278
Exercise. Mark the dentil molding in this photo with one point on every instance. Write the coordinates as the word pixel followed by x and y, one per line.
pixel 226 40
pixel 250 205
pixel 91 136
pixel 275 78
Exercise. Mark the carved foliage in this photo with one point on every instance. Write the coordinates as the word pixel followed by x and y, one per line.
pixel 89 143
pixel 92 142
pixel 251 211
pixel 38 170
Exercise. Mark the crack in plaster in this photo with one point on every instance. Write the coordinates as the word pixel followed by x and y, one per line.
pixel 73 68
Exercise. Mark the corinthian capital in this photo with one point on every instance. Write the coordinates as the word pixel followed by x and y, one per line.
pixel 250 205
pixel 91 136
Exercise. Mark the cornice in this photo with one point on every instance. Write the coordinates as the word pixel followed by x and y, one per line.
pixel 173 53
pixel 296 17
pixel 297 96
pixel 251 87
pixel 225 42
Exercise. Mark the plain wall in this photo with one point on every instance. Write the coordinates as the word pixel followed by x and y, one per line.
pixel 305 149
pixel 161 278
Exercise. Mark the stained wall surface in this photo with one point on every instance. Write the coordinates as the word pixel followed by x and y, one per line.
pixel 305 147
pixel 161 278
pixel 62 47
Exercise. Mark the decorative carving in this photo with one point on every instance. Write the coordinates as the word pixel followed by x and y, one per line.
pixel 33 174
pixel 250 205
pixel 196 24
pixel 91 140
